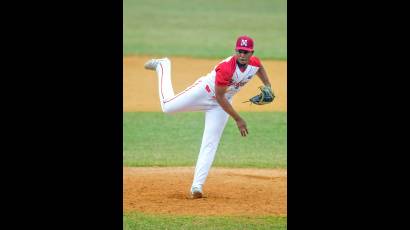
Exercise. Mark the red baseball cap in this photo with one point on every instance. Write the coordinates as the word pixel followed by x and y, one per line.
pixel 244 43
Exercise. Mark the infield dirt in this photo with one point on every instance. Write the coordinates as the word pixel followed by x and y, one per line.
pixel 227 192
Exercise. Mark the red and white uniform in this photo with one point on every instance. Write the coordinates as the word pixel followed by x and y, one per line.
pixel 200 96
pixel 228 73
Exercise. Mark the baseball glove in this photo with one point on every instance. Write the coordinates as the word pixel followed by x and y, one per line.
pixel 266 96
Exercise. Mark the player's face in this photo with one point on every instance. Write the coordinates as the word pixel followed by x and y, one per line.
pixel 243 56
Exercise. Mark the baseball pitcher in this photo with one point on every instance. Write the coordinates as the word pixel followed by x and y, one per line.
pixel 213 94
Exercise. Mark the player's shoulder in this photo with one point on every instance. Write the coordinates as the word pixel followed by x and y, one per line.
pixel 255 61
pixel 228 61
pixel 227 65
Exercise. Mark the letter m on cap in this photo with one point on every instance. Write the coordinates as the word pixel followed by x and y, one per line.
pixel 244 42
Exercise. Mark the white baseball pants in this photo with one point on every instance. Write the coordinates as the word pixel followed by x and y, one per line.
pixel 194 98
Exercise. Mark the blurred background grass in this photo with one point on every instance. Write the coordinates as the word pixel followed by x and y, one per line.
pixel 204 28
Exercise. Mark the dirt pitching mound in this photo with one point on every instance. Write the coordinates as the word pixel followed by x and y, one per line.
pixel 243 192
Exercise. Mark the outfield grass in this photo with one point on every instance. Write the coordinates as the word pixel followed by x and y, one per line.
pixel 158 139
pixel 144 221
pixel 204 28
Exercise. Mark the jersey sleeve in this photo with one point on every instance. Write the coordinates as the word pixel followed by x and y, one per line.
pixel 254 61
pixel 223 75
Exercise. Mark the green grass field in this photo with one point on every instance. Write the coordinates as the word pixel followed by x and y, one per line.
pixel 143 221
pixel 158 139
pixel 204 28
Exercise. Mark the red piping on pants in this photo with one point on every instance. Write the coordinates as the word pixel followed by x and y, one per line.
pixel 162 73
pixel 179 94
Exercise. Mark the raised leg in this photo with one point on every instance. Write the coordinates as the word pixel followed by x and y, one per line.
pixel 193 98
